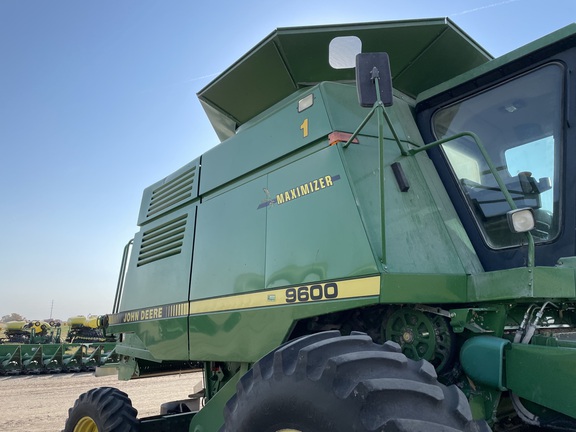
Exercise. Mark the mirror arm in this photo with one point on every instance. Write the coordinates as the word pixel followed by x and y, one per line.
pixel 378 105
pixel 492 168
pixel 357 131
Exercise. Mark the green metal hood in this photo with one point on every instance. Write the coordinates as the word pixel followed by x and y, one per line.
pixel 423 53
pixel 541 48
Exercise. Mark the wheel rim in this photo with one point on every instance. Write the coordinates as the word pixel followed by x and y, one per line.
pixel 421 336
pixel 414 332
pixel 86 424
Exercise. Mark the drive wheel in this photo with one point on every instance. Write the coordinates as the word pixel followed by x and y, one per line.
pixel 103 409
pixel 331 383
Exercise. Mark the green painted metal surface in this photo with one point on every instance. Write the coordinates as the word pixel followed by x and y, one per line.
pixel 422 52
pixel 489 319
pixel 211 417
pixel 248 335
pixel 258 229
pixel 223 266
pixel 151 279
pixel 482 358
pixel 423 288
pixel 522 283
pixel 55 358
pixel 543 375
pixel 155 339
pixel 273 135
pixel 299 220
pixel 166 232
pixel 327 243
pixel 423 215
pixel 276 228
pixel 555 41
pixel 180 187
pixel 10 359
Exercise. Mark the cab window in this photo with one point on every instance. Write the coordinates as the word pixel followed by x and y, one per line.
pixel 519 123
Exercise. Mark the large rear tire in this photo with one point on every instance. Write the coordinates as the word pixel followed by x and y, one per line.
pixel 331 383
pixel 103 409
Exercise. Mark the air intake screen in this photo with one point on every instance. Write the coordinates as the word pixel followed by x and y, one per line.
pixel 162 241
pixel 173 192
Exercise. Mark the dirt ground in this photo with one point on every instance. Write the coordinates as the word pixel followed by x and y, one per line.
pixel 40 403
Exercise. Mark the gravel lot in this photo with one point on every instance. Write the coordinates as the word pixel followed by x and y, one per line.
pixel 40 403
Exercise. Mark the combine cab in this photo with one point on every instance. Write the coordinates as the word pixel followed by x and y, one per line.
pixel 383 240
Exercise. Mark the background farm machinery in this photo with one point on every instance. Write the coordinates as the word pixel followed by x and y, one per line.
pixel 26 332
pixel 37 347
pixel 91 329
pixel 54 358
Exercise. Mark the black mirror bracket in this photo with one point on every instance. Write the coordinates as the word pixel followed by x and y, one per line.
pixel 374 86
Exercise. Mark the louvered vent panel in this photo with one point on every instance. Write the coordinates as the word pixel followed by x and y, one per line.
pixel 176 191
pixel 163 241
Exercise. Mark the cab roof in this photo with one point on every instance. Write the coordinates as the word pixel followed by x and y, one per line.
pixel 526 55
pixel 423 53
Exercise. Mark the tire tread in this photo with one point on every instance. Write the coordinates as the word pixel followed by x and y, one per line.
pixel 109 407
pixel 335 383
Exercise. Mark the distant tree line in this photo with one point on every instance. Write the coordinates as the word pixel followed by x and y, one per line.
pixel 12 317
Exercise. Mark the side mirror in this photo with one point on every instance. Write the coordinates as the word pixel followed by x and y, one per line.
pixel 369 68
pixel 544 184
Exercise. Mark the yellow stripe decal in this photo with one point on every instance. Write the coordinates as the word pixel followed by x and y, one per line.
pixel 339 290
pixel 365 287
pixel 150 313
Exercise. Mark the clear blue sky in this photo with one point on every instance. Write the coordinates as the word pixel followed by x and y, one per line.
pixel 98 101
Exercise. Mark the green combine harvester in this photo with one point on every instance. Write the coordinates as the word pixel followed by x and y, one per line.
pixel 383 241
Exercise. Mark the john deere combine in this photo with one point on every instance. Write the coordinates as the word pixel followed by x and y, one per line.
pixel 381 242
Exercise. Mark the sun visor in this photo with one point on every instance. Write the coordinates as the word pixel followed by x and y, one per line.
pixel 423 53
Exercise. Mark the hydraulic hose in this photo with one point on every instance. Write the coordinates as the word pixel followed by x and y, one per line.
pixel 522 327
pixel 525 415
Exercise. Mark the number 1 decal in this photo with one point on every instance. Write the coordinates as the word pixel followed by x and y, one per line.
pixel 304 128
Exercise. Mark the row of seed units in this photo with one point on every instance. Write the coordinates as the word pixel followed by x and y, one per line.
pixel 54 358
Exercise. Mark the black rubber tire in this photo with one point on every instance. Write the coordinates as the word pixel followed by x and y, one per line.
pixel 107 408
pixel 331 383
